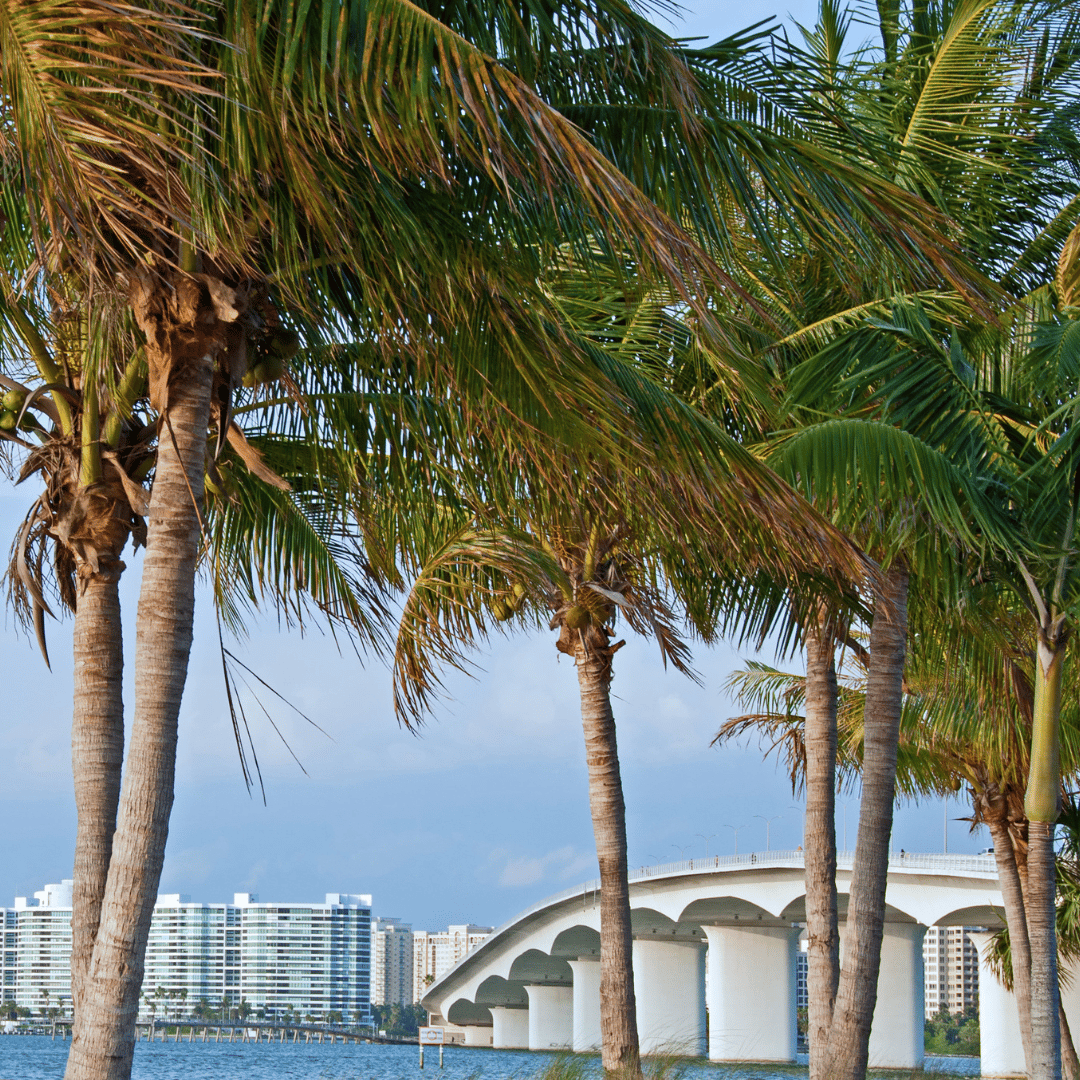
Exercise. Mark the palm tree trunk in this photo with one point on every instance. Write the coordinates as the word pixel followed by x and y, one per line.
pixel 1070 1062
pixel 97 754
pixel 103 1039
pixel 618 1009
pixel 1012 897
pixel 823 939
pixel 1045 997
pixel 848 1050
pixel 1041 806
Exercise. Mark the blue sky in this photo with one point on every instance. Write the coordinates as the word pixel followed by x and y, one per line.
pixel 483 814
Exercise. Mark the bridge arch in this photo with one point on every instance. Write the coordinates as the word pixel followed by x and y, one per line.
pixel 575 942
pixel 465 1013
pixel 495 990
pixel 534 966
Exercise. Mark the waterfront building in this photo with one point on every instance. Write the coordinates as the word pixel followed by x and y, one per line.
pixel 951 969
pixel 37 950
pixel 391 962
pixel 274 959
pixel 436 952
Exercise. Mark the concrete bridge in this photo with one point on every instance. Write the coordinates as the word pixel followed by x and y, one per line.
pixel 535 982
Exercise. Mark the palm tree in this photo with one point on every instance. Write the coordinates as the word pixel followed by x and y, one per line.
pixel 187 232
pixel 966 720
pixel 188 229
pixel 580 566
pixel 196 244
pixel 941 100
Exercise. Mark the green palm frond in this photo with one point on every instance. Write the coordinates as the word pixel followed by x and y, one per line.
pixel 448 607
pixel 891 488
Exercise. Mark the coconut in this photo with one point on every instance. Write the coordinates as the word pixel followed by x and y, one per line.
pixel 956 783
pixel 8 421
pixel 285 344
pixel 13 400
pixel 578 617
pixel 501 610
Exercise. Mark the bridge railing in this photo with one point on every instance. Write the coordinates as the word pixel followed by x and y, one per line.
pixel 940 862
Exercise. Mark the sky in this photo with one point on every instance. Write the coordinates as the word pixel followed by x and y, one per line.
pixel 480 815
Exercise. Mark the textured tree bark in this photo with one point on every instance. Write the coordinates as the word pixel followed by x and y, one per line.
pixel 1042 804
pixel 97 754
pixel 848 1048
pixel 819 841
pixel 1069 1061
pixel 1041 913
pixel 103 1040
pixel 1012 897
pixel 618 1008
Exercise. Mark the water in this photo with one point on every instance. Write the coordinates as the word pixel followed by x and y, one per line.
pixel 37 1057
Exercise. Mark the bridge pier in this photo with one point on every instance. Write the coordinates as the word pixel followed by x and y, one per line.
pixel 1001 1050
pixel 551 1017
pixel 669 984
pixel 752 993
pixel 476 1035
pixel 896 1034
pixel 510 1028
pixel 586 1004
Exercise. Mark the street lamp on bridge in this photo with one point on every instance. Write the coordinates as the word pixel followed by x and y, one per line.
pixel 735 829
pixel 768 821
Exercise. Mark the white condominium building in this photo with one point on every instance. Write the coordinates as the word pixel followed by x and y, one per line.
pixel 436 952
pixel 391 962
pixel 37 950
pixel 951 969
pixel 314 958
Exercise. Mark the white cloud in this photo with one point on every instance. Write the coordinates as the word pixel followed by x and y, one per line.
pixel 564 865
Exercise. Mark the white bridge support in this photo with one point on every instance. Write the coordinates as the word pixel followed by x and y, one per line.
pixel 551 1017
pixel 586 1005
pixel 510 1028
pixel 1000 1050
pixel 896 1034
pixel 669 984
pixel 752 993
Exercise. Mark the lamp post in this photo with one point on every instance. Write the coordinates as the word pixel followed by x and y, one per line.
pixel 735 829
pixel 681 850
pixel 768 821
pixel 706 839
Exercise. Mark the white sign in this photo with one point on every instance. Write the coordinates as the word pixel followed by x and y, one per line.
pixel 431 1036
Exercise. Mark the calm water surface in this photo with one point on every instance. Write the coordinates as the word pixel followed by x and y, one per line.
pixel 37 1057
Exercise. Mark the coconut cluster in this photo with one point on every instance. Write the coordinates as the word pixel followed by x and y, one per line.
pixel 10 406
pixel 273 354
pixel 502 607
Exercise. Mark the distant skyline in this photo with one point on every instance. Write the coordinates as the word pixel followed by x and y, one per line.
pixel 481 815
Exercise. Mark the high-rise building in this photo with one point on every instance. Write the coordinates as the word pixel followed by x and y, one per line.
pixel 436 952
pixel 391 962
pixel 314 958
pixel 951 969
pixel 37 950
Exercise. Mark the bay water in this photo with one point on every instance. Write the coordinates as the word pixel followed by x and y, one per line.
pixel 38 1057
